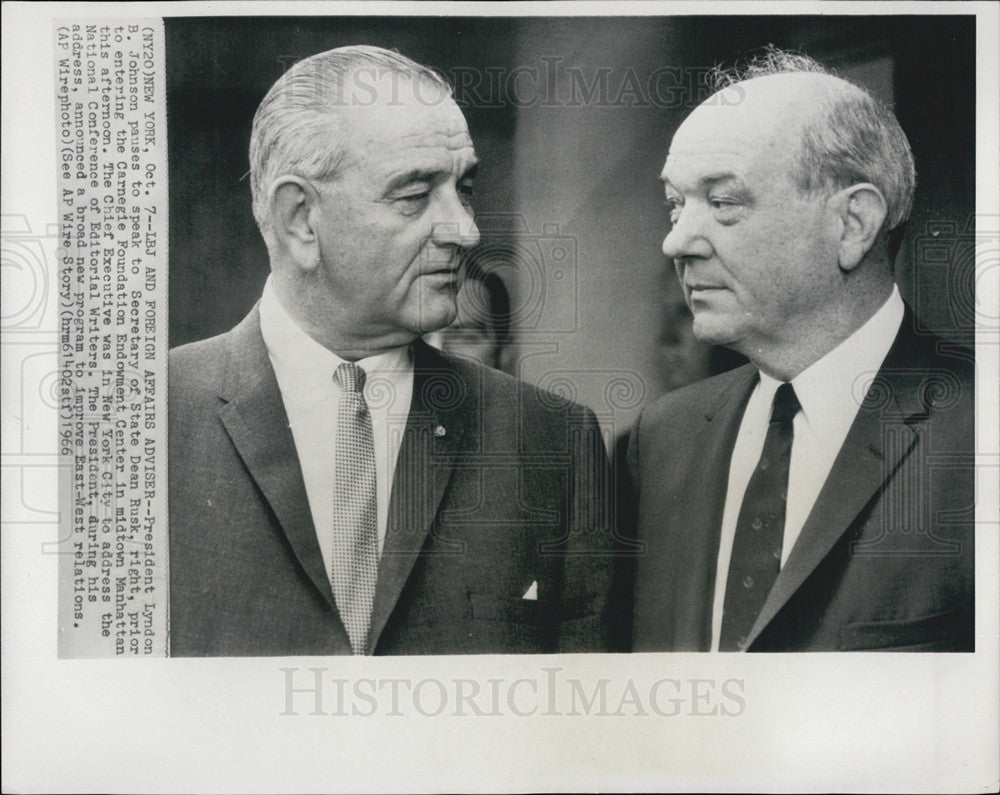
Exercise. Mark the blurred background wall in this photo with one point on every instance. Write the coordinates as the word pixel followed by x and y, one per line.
pixel 572 118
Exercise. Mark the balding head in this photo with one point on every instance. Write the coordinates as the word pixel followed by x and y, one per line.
pixel 842 135
pixel 782 187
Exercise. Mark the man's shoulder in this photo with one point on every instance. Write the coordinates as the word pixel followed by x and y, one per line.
pixel 675 406
pixel 205 364
pixel 200 352
pixel 498 391
pixel 487 378
pixel 198 365
pixel 936 378
pixel 929 373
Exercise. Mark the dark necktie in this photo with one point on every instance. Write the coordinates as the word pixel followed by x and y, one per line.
pixel 756 557
pixel 355 531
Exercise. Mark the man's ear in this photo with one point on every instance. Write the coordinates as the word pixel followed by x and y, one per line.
pixel 862 210
pixel 294 206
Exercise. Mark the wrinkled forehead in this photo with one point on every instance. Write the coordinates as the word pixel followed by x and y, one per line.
pixel 408 119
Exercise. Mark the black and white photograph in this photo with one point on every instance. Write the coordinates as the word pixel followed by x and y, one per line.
pixel 512 548
pixel 399 378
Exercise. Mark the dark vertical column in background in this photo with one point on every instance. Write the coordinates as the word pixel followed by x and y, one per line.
pixel 588 161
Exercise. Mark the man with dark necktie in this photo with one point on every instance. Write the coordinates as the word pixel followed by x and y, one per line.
pixel 820 497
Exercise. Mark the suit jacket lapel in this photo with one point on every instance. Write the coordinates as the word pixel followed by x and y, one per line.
pixel 255 419
pixel 690 550
pixel 723 417
pixel 441 413
pixel 877 442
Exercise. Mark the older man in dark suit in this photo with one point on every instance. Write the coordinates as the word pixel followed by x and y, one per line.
pixel 821 497
pixel 336 485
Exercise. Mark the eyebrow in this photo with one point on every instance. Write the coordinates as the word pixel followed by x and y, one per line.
pixel 427 175
pixel 707 181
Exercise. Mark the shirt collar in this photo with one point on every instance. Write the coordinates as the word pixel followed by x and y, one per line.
pixel 831 389
pixel 303 367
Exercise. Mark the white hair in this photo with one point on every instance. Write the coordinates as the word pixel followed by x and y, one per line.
pixel 296 126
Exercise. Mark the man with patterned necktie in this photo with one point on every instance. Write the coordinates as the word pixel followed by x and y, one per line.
pixel 820 497
pixel 337 486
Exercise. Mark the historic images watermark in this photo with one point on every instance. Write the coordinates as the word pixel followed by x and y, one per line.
pixel 547 83
pixel 318 691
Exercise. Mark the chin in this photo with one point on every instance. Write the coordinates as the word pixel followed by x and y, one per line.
pixel 433 315
pixel 714 330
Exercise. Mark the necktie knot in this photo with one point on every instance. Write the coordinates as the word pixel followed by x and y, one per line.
pixel 786 404
pixel 350 377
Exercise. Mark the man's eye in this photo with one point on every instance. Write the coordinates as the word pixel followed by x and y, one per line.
pixel 412 202
pixel 726 210
pixel 723 204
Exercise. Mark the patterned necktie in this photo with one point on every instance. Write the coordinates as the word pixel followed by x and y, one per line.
pixel 355 535
pixel 756 557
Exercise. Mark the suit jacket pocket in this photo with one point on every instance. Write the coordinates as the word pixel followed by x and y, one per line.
pixel 493 607
pixel 949 631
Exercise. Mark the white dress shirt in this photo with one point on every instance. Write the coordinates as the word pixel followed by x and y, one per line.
pixel 304 370
pixel 830 392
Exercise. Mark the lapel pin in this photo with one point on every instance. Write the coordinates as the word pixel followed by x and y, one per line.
pixel 439 431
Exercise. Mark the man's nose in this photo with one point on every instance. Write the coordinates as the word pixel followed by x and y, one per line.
pixel 687 236
pixel 455 224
